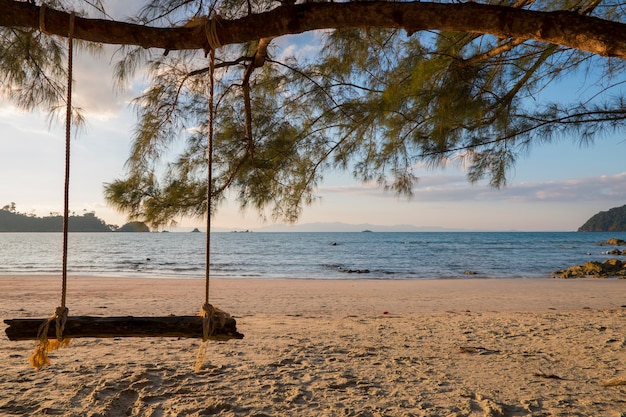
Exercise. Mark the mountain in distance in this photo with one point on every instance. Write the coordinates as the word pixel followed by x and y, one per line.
pixel 613 220
pixel 345 227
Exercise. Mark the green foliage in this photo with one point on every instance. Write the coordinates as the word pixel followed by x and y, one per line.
pixel 31 68
pixel 33 71
pixel 376 102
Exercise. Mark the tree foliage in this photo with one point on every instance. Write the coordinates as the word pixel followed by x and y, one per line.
pixel 375 101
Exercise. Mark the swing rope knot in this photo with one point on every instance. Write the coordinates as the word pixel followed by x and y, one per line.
pixel 42 18
pixel 207 313
pixel 39 357
pixel 210 31
pixel 212 318
pixel 60 319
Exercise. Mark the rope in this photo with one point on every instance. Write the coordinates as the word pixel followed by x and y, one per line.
pixel 39 358
pixel 209 173
pixel 210 31
pixel 208 311
pixel 42 18
pixel 68 133
pixel 212 317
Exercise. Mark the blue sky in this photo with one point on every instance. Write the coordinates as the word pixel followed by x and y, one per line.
pixel 554 187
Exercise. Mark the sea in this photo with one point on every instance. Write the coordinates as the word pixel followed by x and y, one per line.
pixel 338 255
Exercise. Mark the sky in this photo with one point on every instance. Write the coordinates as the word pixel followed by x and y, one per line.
pixel 555 187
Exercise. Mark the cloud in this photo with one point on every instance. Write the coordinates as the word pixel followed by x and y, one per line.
pixel 301 47
pixel 442 188
pixel 16 123
pixel 603 187
pixel 93 88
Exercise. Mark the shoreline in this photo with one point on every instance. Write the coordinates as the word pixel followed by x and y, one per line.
pixel 362 348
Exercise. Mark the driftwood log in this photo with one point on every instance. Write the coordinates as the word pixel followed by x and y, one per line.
pixel 129 326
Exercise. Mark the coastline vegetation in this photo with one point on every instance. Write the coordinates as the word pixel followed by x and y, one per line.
pixel 13 221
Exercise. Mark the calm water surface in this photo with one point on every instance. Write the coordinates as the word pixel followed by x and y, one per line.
pixel 305 255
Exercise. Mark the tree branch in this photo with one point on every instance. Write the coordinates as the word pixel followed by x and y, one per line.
pixel 565 28
pixel 224 64
pixel 257 61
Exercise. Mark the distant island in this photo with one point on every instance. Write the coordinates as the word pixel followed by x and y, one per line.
pixel 613 220
pixel 12 221
pixel 134 227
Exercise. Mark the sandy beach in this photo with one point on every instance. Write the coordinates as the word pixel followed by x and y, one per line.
pixel 474 347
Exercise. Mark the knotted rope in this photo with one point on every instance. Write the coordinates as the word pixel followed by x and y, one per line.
pixel 39 357
pixel 212 318
pixel 42 18
pixel 210 31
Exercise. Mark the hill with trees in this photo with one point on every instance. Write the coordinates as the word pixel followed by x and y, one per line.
pixel 13 221
pixel 613 220
pixel 19 222
pixel 134 227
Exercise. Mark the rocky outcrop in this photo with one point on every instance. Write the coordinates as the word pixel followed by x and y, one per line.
pixel 614 242
pixel 594 269
pixel 353 271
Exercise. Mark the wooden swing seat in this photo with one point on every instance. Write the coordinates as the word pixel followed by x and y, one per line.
pixel 123 326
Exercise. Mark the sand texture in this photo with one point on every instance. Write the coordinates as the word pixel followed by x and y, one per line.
pixel 331 348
